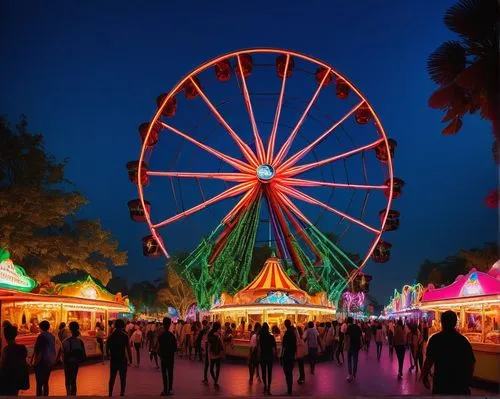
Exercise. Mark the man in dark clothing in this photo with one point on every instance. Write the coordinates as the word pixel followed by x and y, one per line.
pixel 453 359
pixel 289 348
pixel 118 349
pixel 167 346
pixel 353 335
pixel 14 371
pixel 44 358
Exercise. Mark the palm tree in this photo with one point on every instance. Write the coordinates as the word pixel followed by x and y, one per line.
pixel 467 71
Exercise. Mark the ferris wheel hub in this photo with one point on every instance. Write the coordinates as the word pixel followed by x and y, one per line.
pixel 265 172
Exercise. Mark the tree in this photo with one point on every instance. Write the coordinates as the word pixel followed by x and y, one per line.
pixel 480 258
pixel 466 70
pixel 117 284
pixel 143 296
pixel 178 293
pixel 37 215
pixel 445 271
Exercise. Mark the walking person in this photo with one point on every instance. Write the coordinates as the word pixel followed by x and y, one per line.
pixel 73 354
pixel 254 352
pixel 44 357
pixel 204 345
pixel 215 352
pixel 151 337
pixel 136 342
pixel 452 357
pixel 335 339
pixel 118 350
pixel 300 355
pixel 99 334
pixel 340 348
pixel 416 343
pixel 167 346
pixel 63 332
pixel 14 371
pixel 399 342
pixel 328 340
pixel 353 341
pixel 289 348
pixel 267 354
pixel 379 340
pixel 311 337
pixel 390 337
pixel 368 336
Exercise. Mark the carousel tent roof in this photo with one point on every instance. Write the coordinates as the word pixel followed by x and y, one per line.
pixel 473 284
pixel 272 277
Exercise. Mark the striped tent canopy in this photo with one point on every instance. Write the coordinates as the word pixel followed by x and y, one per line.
pixel 272 277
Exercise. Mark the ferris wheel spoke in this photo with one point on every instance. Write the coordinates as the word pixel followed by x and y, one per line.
pixel 245 149
pixel 272 138
pixel 314 183
pixel 289 203
pixel 236 163
pixel 231 192
pixel 293 171
pixel 300 230
pixel 286 147
pixel 285 230
pixel 258 141
pixel 247 198
pixel 232 177
pixel 299 155
pixel 306 198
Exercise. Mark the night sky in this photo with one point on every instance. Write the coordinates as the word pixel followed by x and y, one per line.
pixel 87 74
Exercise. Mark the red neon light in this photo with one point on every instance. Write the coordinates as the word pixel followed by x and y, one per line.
pixel 258 141
pixel 306 198
pixel 304 168
pixel 290 181
pixel 299 155
pixel 230 192
pixel 240 165
pixel 288 143
pixel 272 138
pixel 245 148
pixel 233 177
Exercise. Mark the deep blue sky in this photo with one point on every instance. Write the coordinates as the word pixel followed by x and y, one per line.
pixel 87 73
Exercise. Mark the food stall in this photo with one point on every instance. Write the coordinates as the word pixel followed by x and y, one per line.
pixel 25 304
pixel 406 304
pixel 475 298
pixel 271 297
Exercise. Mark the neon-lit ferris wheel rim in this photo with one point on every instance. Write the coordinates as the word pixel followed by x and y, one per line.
pixel 267 165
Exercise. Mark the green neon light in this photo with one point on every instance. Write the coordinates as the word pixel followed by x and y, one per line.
pixel 229 272
pixel 12 276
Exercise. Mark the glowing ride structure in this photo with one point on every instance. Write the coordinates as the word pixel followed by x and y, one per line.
pixel 270 165
pixel 405 303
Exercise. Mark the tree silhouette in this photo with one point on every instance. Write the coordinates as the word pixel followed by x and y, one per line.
pixel 466 70
pixel 37 216
pixel 178 293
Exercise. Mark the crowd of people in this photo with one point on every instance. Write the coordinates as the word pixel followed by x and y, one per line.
pixel 447 353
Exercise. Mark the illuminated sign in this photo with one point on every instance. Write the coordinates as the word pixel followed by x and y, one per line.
pixel 89 292
pixel 277 298
pixel 472 287
pixel 13 276
pixel 265 172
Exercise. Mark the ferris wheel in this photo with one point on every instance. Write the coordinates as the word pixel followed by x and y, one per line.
pixel 266 132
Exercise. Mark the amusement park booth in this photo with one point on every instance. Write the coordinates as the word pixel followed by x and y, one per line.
pixel 406 304
pixel 25 304
pixel 271 297
pixel 475 298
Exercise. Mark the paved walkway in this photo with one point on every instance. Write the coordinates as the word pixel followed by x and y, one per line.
pixel 374 379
